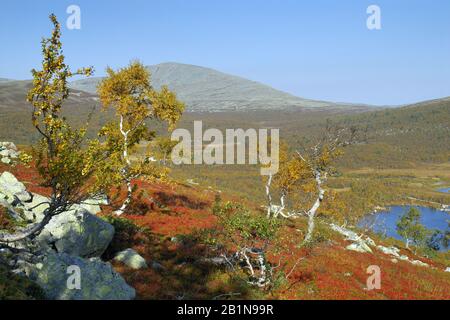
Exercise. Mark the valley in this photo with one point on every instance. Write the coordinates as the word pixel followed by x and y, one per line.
pixel 403 159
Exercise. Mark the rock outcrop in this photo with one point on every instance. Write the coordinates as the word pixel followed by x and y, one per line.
pixel 77 232
pixel 57 273
pixel 72 240
pixel 8 152
pixel 362 244
pixel 359 247
pixel 12 190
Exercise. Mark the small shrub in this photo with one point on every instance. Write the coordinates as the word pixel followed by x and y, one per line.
pixel 250 237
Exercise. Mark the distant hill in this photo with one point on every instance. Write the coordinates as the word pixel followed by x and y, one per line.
pixel 415 133
pixel 15 111
pixel 396 138
pixel 418 132
pixel 15 92
pixel 204 89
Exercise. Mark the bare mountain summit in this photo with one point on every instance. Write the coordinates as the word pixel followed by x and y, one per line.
pixel 204 89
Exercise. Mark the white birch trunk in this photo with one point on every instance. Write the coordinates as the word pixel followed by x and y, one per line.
pixel 125 169
pixel 312 212
pixel 269 196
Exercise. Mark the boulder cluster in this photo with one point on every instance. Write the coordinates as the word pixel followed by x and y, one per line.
pixel 8 153
pixel 363 244
pixel 72 240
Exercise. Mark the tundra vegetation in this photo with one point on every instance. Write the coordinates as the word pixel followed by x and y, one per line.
pixel 231 248
pixel 252 238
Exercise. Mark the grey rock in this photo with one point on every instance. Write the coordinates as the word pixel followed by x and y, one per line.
pixel 419 263
pixel 13 188
pixel 93 205
pixel 359 247
pixel 34 210
pixel 98 280
pixel 77 232
pixel 131 258
pixel 6 160
pixel 8 145
pixel 393 251
pixel 39 203
pixel 9 154
pixel 349 235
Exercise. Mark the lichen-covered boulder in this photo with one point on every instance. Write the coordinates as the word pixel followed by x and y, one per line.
pixel 77 232
pixel 131 258
pixel 8 145
pixel 93 205
pixel 9 154
pixel 97 279
pixel 12 189
pixel 35 209
pixel 359 247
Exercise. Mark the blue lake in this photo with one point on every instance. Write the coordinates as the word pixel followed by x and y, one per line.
pixel 385 222
pixel 444 190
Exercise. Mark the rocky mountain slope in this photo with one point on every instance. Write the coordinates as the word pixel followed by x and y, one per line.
pixel 14 93
pixel 205 89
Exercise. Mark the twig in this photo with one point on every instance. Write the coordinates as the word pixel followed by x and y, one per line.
pixel 295 265
pixel 231 294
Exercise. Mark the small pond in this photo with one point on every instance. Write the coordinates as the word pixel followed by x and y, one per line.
pixel 444 190
pixel 385 222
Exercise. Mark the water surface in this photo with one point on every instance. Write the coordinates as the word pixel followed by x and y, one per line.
pixel 385 222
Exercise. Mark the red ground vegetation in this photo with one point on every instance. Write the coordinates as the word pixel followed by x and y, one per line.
pixel 169 214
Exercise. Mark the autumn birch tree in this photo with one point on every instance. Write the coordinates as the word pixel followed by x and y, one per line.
pixel 66 161
pixel 134 100
pixel 302 175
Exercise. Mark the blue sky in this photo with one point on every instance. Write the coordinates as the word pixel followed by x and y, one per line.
pixel 317 49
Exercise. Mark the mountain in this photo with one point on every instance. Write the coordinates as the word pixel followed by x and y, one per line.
pixel 14 92
pixel 204 89
pixel 15 111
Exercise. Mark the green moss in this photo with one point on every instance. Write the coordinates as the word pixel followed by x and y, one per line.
pixel 14 287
